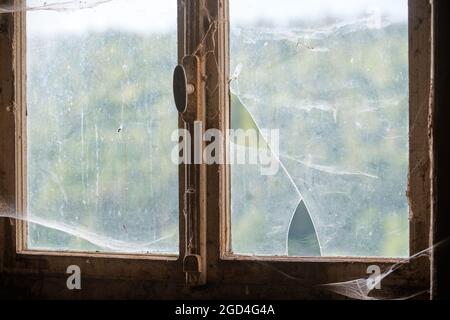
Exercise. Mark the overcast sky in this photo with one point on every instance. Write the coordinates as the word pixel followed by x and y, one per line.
pixel 146 16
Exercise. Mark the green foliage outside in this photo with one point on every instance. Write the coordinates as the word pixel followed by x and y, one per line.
pixel 100 119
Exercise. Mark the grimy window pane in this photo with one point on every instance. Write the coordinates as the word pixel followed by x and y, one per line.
pixel 332 77
pixel 100 118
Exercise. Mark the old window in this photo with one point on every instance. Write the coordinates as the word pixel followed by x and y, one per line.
pixel 99 111
pixel 332 78
pixel 321 101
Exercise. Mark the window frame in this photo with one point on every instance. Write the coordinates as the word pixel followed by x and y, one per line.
pixel 321 270
pixel 19 259
pixel 226 275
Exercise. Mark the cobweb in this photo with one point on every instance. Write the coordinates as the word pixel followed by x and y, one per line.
pixel 53 5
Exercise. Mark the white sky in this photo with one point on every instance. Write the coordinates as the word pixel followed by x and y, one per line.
pixel 144 16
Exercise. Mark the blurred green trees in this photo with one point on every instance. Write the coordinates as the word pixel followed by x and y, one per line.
pixel 100 119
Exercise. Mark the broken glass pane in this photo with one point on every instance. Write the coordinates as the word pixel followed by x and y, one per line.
pixel 332 77
pixel 100 118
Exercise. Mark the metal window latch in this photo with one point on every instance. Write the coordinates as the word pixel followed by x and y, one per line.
pixel 189 100
pixel 181 88
pixel 187 89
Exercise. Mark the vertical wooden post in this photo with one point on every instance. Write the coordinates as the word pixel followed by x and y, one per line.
pixel 193 175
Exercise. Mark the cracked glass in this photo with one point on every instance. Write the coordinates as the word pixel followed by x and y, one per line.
pixel 332 78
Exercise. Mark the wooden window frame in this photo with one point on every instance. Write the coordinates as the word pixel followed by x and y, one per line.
pixel 203 29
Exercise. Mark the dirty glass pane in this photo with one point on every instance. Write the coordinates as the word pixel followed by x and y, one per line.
pixel 100 118
pixel 332 77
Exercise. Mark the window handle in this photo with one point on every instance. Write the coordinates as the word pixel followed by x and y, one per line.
pixel 188 91
pixel 181 88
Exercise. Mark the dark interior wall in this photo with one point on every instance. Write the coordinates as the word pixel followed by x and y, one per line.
pixel 6 107
pixel 441 161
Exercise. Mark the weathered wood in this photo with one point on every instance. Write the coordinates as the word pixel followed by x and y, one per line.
pixel 419 186
pixel 7 130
